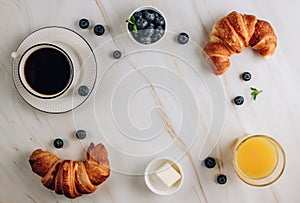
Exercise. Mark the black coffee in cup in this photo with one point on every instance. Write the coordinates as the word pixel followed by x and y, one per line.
pixel 48 71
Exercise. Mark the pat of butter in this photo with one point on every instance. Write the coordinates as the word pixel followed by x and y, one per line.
pixel 168 175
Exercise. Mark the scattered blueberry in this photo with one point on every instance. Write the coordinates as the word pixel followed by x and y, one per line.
pixel 141 23
pixel 221 179
pixel 138 15
pixel 239 100
pixel 84 23
pixel 80 134
pixel 58 143
pixel 83 90
pixel 246 76
pixel 183 38
pixel 99 30
pixel 210 162
pixel 117 54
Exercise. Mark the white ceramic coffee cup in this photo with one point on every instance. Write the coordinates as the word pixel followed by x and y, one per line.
pixel 22 64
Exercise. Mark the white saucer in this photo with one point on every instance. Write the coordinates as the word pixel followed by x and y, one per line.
pixel 86 70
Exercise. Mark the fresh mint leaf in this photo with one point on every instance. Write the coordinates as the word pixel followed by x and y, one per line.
pixel 129 21
pixel 132 19
pixel 254 96
pixel 255 92
pixel 134 28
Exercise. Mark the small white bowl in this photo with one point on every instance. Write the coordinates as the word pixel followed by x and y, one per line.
pixel 153 9
pixel 155 184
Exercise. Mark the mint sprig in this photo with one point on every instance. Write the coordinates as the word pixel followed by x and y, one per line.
pixel 132 21
pixel 255 92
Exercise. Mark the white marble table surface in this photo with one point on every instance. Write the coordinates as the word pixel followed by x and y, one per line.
pixel 276 111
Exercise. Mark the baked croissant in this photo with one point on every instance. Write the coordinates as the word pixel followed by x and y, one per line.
pixel 234 32
pixel 72 178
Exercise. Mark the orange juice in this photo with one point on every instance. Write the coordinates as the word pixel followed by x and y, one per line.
pixel 256 157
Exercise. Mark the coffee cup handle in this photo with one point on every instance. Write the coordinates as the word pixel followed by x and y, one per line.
pixel 14 54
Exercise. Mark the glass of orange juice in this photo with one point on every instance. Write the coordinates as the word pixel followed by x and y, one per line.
pixel 258 159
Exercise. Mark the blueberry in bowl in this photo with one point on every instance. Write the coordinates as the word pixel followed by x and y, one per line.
pixel 146 25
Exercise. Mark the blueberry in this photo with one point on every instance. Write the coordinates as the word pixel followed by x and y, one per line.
pixel 130 27
pixel 117 54
pixel 238 100
pixel 80 134
pixel 135 35
pixel 99 30
pixel 246 76
pixel 159 32
pixel 138 15
pixel 83 90
pixel 156 14
pixel 221 179
pixel 148 32
pixel 183 38
pixel 160 21
pixel 210 162
pixel 155 37
pixel 84 23
pixel 145 40
pixel 58 143
pixel 160 29
pixel 141 23
pixel 148 16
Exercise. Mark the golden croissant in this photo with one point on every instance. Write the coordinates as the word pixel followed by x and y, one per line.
pixel 72 178
pixel 234 32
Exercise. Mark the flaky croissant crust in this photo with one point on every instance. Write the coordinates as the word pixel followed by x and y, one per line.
pixel 68 177
pixel 232 34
